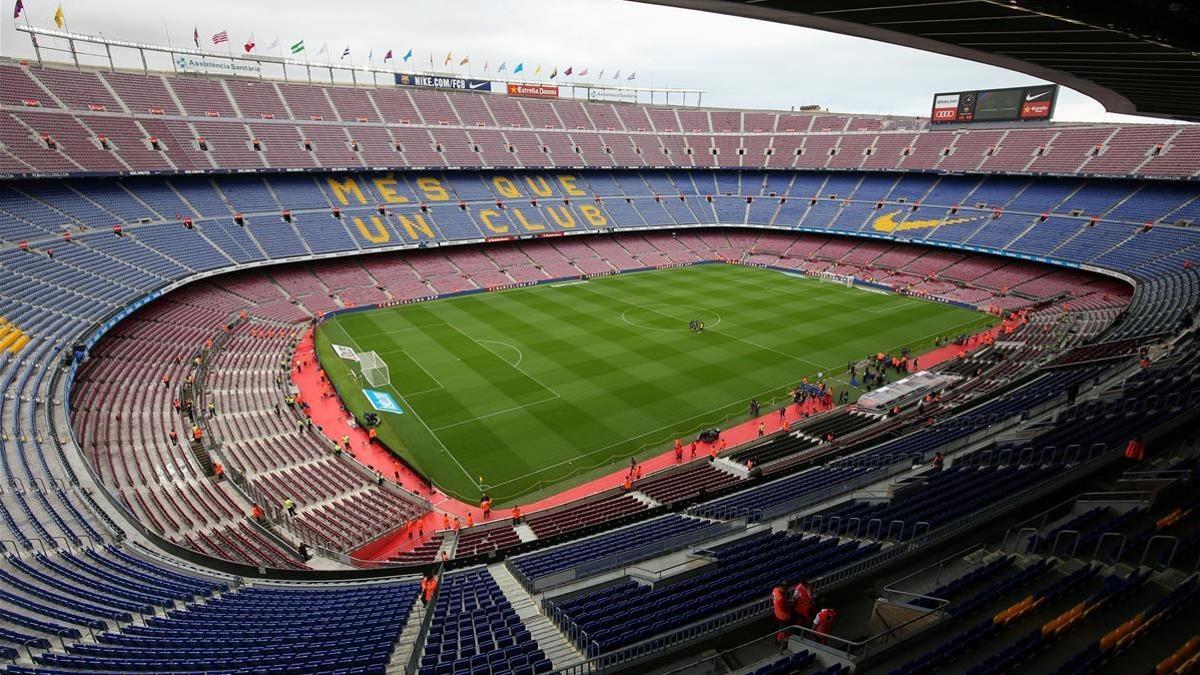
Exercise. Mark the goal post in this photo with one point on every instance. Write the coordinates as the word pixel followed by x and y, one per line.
pixel 374 370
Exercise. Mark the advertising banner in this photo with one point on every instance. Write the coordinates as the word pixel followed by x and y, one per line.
pixel 533 90
pixel 612 95
pixel 345 352
pixel 443 82
pixel 196 64
pixel 383 401
pixel 945 108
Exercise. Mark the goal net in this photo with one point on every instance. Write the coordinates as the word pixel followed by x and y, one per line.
pixel 374 370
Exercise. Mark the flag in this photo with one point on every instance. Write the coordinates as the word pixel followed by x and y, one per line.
pixel 583 72
pixel 249 44
pixel 371 55
pixel 324 49
pixel 601 75
pixel 196 36
pixel 274 43
pixel 503 67
pixel 538 70
pixel 449 55
pixel 59 19
pixel 465 61
pixel 485 65
pixel 346 51
pixel 554 73
pixel 566 72
pixel 218 38
pixel 17 9
pixel 407 56
pixel 388 56
pixel 298 47
pixel 617 75
pixel 632 76
pixel 520 68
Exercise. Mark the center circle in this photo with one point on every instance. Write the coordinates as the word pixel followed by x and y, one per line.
pixel 669 317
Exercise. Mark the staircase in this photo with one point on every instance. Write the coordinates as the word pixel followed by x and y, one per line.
pixel 407 643
pixel 551 640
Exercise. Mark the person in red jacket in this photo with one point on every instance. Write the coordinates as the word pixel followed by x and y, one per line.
pixel 803 604
pixel 1136 449
pixel 429 584
pixel 783 613
pixel 823 624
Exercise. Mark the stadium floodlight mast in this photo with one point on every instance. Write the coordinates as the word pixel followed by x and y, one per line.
pixel 374 370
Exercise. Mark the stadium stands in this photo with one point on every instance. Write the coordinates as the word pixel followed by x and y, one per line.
pixel 302 125
pixel 1043 224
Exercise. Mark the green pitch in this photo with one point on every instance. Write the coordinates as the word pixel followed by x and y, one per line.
pixel 535 389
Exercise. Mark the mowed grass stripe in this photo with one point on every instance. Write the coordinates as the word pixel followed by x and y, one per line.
pixel 544 384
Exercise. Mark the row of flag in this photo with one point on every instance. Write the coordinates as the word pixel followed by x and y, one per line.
pixel 298 48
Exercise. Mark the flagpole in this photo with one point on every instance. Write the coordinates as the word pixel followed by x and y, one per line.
pixel 171 47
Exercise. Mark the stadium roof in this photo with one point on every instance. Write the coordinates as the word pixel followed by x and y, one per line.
pixel 1133 56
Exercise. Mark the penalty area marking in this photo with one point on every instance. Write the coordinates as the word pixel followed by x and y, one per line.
pixel 520 354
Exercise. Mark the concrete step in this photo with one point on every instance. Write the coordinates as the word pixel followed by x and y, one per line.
pixel 525 532
pixel 644 498
pixel 548 637
pixel 406 645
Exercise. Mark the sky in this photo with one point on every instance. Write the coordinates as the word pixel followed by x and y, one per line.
pixel 739 63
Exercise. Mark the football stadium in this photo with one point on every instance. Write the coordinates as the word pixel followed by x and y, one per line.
pixel 320 365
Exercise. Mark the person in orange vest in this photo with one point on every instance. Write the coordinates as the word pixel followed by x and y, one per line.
pixel 429 584
pixel 803 604
pixel 457 525
pixel 628 483
pixel 218 470
pixel 372 436
pixel 256 513
pixel 1136 449
pixel 445 521
pixel 197 432
pixel 637 472
pixel 783 613
pixel 823 624
pixel 166 379
pixel 516 515
pixel 470 520
pixel 485 505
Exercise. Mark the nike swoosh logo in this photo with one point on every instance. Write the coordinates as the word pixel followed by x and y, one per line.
pixel 479 85
pixel 887 223
pixel 1030 97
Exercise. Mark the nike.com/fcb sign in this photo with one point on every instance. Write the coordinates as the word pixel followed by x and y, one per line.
pixel 438 82
pixel 995 105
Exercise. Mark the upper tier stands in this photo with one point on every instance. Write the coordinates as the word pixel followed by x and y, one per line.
pixel 66 120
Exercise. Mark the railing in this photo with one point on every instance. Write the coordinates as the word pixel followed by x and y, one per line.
pixel 628 556
pixel 414 659
pixel 1035 524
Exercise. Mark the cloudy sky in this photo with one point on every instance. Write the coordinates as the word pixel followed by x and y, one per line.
pixel 738 62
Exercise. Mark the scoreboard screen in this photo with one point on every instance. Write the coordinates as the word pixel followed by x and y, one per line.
pixel 995 105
